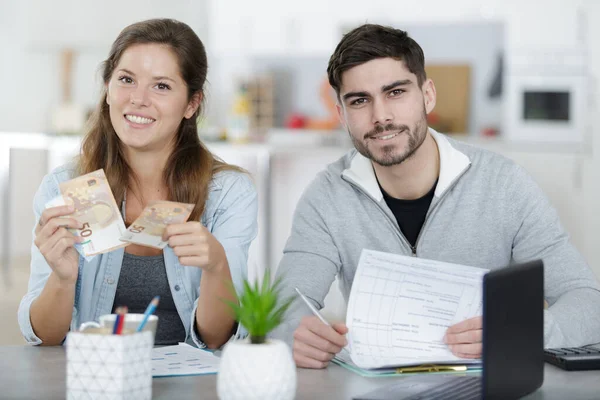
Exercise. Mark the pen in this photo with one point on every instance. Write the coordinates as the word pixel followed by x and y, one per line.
pixel 431 368
pixel 149 310
pixel 312 308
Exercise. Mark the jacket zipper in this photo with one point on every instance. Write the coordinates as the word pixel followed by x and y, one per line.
pixel 392 222
pixel 435 206
pixel 403 238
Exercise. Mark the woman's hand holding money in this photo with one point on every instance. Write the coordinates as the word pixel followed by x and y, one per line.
pixel 195 245
pixel 55 242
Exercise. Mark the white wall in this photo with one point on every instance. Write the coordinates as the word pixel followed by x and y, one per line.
pixel 314 25
pixel 32 33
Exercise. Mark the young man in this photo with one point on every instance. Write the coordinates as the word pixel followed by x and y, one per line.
pixel 407 189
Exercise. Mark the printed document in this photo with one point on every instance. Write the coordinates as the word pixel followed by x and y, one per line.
pixel 183 359
pixel 400 307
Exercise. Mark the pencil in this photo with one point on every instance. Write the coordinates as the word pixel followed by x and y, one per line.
pixel 119 320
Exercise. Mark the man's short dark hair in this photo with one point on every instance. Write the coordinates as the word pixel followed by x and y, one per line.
pixel 369 42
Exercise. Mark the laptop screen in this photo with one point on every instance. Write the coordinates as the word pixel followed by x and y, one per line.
pixel 513 330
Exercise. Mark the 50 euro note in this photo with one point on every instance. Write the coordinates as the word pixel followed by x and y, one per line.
pixel 96 209
pixel 148 228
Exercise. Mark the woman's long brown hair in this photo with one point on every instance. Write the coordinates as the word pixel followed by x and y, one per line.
pixel 191 166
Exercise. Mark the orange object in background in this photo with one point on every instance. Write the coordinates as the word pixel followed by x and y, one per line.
pixel 327 95
pixel 433 118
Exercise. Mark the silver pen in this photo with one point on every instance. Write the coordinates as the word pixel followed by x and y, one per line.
pixel 312 308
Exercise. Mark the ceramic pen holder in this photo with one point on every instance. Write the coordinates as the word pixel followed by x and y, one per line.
pixel 101 365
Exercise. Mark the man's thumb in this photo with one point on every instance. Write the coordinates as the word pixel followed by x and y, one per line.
pixel 340 328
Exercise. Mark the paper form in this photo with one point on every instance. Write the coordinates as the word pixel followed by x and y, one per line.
pixel 183 359
pixel 400 307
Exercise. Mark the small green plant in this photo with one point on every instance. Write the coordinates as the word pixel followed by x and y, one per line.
pixel 259 308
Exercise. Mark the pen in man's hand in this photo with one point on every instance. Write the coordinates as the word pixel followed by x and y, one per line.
pixel 312 308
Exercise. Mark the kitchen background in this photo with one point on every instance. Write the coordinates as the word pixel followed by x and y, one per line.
pixel 517 77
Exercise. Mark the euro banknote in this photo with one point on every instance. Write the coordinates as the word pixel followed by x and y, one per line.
pixel 148 228
pixel 96 209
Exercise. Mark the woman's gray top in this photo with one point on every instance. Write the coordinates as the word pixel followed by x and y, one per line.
pixel 142 278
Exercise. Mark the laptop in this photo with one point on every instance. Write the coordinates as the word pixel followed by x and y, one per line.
pixel 513 344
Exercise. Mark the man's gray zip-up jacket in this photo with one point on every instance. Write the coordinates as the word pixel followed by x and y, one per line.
pixel 486 212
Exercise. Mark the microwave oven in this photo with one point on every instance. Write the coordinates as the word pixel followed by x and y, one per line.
pixel 547 108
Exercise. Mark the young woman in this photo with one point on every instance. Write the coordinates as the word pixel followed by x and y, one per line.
pixel 143 134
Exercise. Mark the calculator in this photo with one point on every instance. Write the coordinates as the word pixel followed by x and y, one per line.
pixel 574 358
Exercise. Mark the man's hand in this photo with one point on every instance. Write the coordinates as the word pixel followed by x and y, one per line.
pixel 464 339
pixel 315 343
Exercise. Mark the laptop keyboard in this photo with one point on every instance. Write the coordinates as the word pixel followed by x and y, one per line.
pixel 457 388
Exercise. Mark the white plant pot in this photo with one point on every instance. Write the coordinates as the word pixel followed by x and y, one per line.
pixel 256 371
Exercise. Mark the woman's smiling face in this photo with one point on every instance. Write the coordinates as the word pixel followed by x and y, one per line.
pixel 148 98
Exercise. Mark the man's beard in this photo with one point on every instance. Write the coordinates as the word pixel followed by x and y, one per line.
pixel 416 137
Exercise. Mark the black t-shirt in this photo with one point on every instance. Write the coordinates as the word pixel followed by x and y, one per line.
pixel 410 214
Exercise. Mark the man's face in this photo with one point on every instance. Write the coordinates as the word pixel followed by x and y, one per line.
pixel 385 110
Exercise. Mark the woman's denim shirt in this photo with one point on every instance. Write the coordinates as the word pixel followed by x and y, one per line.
pixel 230 215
